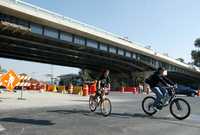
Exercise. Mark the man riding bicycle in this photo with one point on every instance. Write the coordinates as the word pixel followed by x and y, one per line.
pixel 158 83
pixel 103 84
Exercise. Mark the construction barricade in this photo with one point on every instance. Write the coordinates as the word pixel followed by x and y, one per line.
pixel 85 90
pixel 77 90
pixel 54 88
pixel 92 88
pixel 70 89
pixel 122 90
pixel 43 88
pixel 49 87
pixel 133 90
pixel 61 89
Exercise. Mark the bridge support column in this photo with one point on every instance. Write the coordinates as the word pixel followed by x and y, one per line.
pixel 139 77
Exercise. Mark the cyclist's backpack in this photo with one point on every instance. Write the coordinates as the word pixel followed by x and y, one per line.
pixel 149 80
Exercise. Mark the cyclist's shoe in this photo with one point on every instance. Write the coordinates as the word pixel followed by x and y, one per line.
pixel 158 107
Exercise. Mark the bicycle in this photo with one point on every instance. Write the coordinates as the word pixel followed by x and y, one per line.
pixel 177 105
pixel 99 100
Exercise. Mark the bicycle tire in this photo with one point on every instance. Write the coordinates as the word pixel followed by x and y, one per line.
pixel 175 115
pixel 143 105
pixel 102 107
pixel 92 99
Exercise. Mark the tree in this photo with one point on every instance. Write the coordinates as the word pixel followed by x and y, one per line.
pixel 181 60
pixel 85 74
pixel 196 53
pixel 197 43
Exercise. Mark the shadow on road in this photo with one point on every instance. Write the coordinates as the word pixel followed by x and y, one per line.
pixel 138 115
pixel 166 119
pixel 113 115
pixel 73 111
pixel 27 121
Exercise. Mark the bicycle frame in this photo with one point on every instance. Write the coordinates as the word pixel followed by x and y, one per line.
pixel 172 95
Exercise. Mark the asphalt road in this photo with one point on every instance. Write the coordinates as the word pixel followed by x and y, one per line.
pixel 127 118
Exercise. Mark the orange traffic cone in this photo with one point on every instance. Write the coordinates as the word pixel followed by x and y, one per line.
pixel 85 90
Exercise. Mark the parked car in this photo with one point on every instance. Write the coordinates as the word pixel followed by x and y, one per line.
pixel 185 90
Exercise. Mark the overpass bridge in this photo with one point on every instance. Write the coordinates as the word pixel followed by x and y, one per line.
pixel 28 32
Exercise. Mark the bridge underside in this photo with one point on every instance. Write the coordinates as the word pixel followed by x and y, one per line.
pixel 45 50
pixel 184 79
pixel 25 45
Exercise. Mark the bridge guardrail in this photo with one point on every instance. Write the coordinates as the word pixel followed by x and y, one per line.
pixel 64 18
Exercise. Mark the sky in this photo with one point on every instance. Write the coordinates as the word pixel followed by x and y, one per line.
pixel 168 26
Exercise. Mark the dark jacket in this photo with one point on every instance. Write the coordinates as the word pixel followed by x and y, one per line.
pixel 157 80
pixel 104 80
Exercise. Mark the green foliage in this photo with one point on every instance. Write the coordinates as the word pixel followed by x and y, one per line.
pixel 140 79
pixel 87 75
pixel 197 42
pixel 196 53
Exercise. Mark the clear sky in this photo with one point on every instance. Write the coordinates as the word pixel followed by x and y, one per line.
pixel 168 26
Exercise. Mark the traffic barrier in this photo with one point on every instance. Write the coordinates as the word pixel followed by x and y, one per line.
pixel 70 89
pixel 45 87
pixel 85 90
pixel 122 90
pixel 49 87
pixel 61 89
pixel 54 88
pixel 92 88
pixel 128 89
pixel 135 91
pixel 77 90
pixel 80 93
pixel 42 88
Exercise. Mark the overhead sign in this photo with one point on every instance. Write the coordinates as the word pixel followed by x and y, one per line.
pixel 10 80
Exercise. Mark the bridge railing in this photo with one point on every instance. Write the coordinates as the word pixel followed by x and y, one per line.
pixel 58 16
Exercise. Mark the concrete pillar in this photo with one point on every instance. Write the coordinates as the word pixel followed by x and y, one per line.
pixel 136 76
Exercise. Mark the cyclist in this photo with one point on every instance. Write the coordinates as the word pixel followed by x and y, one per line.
pixel 103 84
pixel 158 83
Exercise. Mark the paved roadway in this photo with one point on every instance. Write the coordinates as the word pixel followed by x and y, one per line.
pixel 74 118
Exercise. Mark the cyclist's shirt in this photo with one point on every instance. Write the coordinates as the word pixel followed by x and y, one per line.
pixel 158 80
pixel 104 81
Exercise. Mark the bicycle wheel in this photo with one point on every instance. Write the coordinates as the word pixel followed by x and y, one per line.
pixel 147 105
pixel 93 103
pixel 106 107
pixel 180 108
